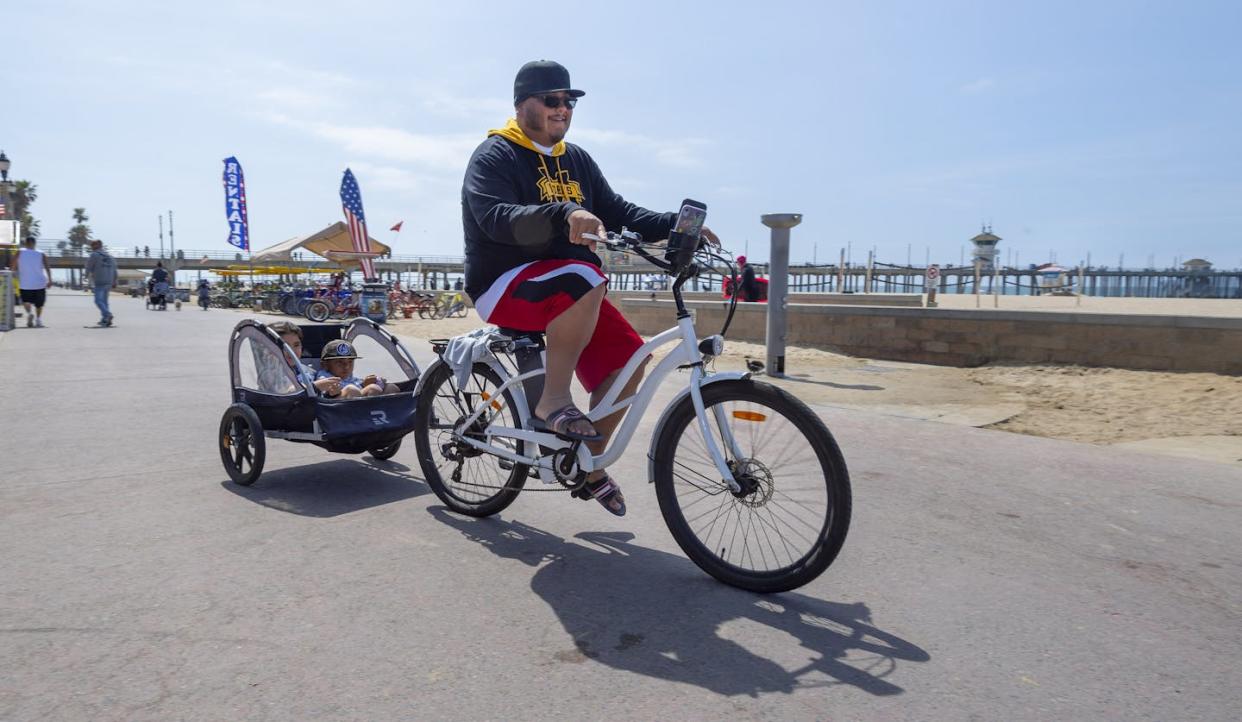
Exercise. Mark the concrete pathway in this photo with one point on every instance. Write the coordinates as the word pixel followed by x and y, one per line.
pixel 987 575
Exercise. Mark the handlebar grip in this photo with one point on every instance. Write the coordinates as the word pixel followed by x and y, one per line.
pixel 592 237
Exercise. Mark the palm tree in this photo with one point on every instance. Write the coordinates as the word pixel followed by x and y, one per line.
pixel 24 196
pixel 80 234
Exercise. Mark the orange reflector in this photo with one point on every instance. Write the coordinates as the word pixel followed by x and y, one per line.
pixel 750 416
pixel 486 397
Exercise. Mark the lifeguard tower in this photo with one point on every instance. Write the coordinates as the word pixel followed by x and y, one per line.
pixel 984 254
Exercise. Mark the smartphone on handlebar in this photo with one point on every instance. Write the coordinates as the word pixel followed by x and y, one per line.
pixel 683 240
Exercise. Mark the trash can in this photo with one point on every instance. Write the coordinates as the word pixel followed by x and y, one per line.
pixel 374 302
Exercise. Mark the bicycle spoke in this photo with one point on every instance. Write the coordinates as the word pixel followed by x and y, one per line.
pixel 779 516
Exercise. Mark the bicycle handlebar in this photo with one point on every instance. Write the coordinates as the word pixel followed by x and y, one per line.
pixel 629 241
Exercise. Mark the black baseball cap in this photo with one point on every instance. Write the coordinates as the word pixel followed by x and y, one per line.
pixel 542 76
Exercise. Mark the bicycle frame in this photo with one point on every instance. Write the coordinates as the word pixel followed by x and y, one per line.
pixel 686 354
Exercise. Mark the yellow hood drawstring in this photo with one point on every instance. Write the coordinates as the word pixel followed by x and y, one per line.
pixel 513 132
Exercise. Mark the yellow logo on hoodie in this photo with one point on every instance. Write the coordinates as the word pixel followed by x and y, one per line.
pixel 552 188
pixel 560 188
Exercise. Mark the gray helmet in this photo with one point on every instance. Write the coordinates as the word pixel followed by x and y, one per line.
pixel 338 349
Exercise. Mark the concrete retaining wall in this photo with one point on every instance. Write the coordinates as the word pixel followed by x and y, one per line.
pixel 972 338
pixel 914 300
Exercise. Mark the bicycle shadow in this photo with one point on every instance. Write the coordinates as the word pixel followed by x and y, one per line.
pixel 656 614
pixel 331 488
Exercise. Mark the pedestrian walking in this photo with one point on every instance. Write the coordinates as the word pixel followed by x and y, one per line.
pixel 34 275
pixel 204 293
pixel 101 267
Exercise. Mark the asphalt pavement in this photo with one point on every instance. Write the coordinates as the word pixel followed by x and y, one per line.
pixel 986 576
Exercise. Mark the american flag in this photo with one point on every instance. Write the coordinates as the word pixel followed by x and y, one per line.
pixel 351 200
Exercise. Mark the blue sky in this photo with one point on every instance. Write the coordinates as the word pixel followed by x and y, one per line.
pixel 1073 127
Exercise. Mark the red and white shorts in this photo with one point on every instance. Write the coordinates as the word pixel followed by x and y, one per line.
pixel 529 296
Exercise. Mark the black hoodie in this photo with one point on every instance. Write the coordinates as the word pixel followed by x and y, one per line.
pixel 516 201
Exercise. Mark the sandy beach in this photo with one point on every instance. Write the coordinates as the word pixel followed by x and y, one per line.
pixel 1194 415
pixel 1214 307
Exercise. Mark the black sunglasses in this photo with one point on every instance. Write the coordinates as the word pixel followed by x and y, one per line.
pixel 555 101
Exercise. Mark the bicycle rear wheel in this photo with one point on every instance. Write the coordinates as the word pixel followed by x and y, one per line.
pixel 318 311
pixel 467 480
pixel 789 521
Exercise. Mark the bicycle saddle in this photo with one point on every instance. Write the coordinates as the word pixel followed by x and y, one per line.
pixel 516 334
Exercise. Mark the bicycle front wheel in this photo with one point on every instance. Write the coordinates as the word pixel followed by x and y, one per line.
pixel 787 524
pixel 469 481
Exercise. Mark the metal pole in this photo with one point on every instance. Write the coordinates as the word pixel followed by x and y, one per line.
pixel 841 273
pixel 161 235
pixel 778 287
pixel 172 254
pixel 978 269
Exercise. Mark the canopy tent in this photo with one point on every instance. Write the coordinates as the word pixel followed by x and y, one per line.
pixel 270 270
pixel 332 242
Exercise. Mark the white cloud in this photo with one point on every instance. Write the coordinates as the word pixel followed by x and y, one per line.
pixel 448 105
pixel 674 152
pixel 976 87
pixel 443 153
pixel 293 98
pixel 404 180
pixel 439 152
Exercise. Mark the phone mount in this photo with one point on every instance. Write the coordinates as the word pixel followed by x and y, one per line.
pixel 681 249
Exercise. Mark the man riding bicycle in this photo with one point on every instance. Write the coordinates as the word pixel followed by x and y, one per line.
pixel 527 201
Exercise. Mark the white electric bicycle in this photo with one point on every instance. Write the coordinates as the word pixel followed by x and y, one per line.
pixel 749 480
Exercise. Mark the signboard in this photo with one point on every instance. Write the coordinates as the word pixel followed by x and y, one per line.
pixel 235 204
pixel 620 262
pixel 8 232
pixel 933 277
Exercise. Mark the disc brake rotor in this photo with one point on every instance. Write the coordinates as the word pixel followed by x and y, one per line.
pixel 756 482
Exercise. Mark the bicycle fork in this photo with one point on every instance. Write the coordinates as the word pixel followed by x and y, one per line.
pixel 709 439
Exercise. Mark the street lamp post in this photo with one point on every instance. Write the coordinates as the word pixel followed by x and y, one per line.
pixel 7 188
pixel 8 306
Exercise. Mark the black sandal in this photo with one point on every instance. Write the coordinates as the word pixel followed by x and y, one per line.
pixel 559 421
pixel 605 491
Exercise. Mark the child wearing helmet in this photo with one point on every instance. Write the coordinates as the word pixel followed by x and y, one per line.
pixel 337 366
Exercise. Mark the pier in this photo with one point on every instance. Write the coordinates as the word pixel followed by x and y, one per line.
pixel 626 274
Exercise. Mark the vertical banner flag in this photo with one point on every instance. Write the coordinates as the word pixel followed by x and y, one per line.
pixel 235 204
pixel 351 200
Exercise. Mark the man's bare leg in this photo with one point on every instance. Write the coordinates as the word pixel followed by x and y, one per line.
pixel 565 338
pixel 607 425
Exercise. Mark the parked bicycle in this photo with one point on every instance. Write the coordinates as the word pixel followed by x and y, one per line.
pixel 749 480
pixel 338 305
pixel 450 304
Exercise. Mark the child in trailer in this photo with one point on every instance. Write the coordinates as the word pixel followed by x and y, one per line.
pixel 291 334
pixel 337 362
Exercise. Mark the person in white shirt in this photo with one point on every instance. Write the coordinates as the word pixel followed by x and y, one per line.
pixel 34 275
